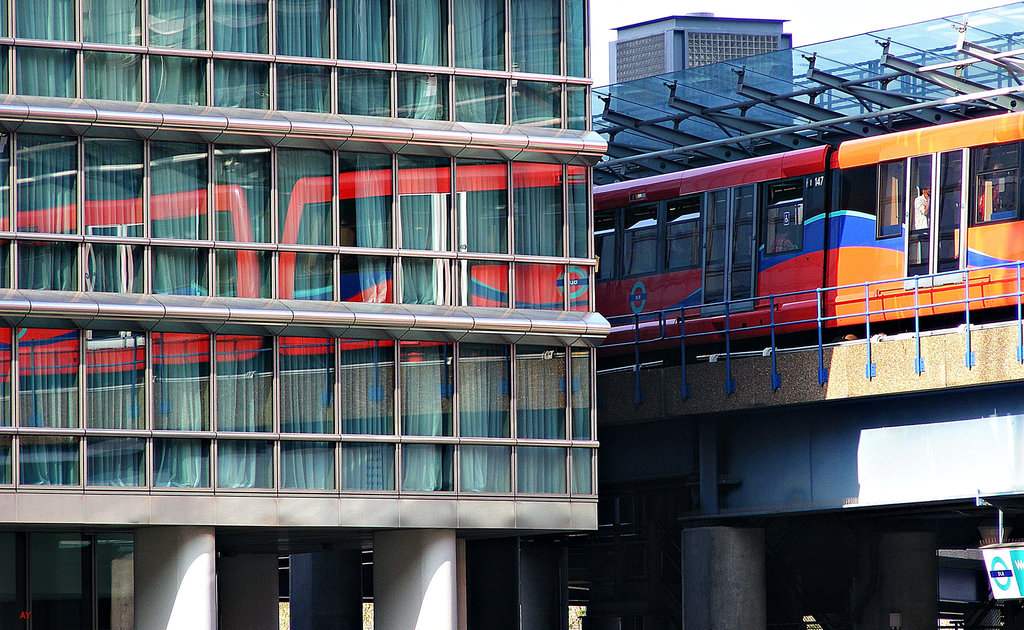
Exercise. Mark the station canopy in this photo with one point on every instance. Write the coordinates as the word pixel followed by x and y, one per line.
pixel 927 73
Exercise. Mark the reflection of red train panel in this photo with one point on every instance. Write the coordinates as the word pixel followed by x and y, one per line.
pixel 794 223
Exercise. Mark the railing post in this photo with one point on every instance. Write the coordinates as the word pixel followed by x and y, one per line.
pixel 919 361
pixel 1020 321
pixel 776 378
pixel 638 395
pixel 730 384
pixel 822 372
pixel 684 387
pixel 969 358
pixel 869 368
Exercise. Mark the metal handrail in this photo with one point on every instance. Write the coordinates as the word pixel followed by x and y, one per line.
pixel 656 327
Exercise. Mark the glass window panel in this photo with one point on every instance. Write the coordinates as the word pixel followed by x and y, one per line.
pixel 364 200
pixel 303 88
pixel 47 184
pixel 4 26
pixel 427 467
pixel 46 72
pixel 421 31
pixel 367 466
pixel 115 377
pixel 995 185
pixel 575 38
pixel 240 26
pixel 241 84
pixel 579 188
pixel 485 468
pixel 243 273
pixel 483 283
pixel 6 365
pixel 480 100
pixel 367 387
pixel 48 266
pixel 304 197
pixel 683 249
pixel 423 96
pixel 49 461
pixel 535 26
pixel 48 377
pixel 177 23
pixel 245 382
pixel 537 104
pixel 481 202
pixel 540 397
pixel 541 470
pixel 576 97
pixel 365 279
pixel 181 463
pixel 307 465
pixel 364 92
pixel 113 76
pixel 117 462
pixel 177 80
pixel 5 478
pixel 576 282
pixel 181 271
pixel 181 382
pixel 59 581
pixel 537 208
pixel 363 30
pixel 115 581
pixel 424 281
pixel 303 28
pixel 891 178
pixel 112 21
pixel 306 276
pixel 307 385
pixel 485 375
pixel 424 186
pixel 5 181
pixel 245 464
pixel 46 19
pixel 582 465
pixel 242 199
pixel 113 187
pixel 479 34
pixel 5 76
pixel 640 240
pixel 178 176
pixel 539 286
pixel 427 388
pixel 580 395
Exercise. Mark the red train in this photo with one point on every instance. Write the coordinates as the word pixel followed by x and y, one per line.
pixel 821 234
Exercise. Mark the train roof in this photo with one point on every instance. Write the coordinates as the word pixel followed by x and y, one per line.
pixel 672 185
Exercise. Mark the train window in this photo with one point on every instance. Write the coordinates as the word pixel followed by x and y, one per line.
pixel 891 178
pixel 683 238
pixel 640 240
pixel 784 228
pixel 604 243
pixel 857 188
pixel 995 183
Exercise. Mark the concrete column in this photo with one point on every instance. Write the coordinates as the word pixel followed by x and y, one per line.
pixel 326 590
pixel 414 580
pixel 724 579
pixel 175 578
pixel 896 580
pixel 248 589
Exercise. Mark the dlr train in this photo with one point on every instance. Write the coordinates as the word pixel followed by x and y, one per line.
pixel 883 228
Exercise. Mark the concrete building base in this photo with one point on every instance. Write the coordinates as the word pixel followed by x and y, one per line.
pixel 896 584
pixel 414 580
pixel 325 590
pixel 247 592
pixel 724 579
pixel 175 578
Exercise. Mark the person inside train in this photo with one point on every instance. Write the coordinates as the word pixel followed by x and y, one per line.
pixel 922 205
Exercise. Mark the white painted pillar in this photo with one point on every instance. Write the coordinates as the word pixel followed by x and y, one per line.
pixel 248 589
pixel 175 578
pixel 414 580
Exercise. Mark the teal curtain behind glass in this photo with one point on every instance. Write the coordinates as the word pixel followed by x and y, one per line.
pixel 537 104
pixel 482 201
pixel 115 380
pixel 302 88
pixel 113 172
pixel 181 463
pixel 177 23
pixel 240 26
pixel 579 234
pixel 368 466
pixel 177 80
pixel 364 92
pixel 363 30
pixel 46 72
pixel 178 175
pixel 116 462
pixel 242 179
pixel 245 464
pixel 48 376
pixel 307 385
pixel 537 209
pixel 479 34
pixel 367 387
pixel 535 26
pixel 422 32
pixel 181 382
pixel 45 19
pixel 423 96
pixel 540 386
pixel 424 212
pixel 364 185
pixel 484 381
pixel 49 461
pixel 112 22
pixel 480 100
pixel 47 202
pixel 113 76
pixel 245 377
pixel 307 465
pixel 427 388
pixel 541 470
pixel 575 38
pixel 241 84
pixel 302 28
pixel 485 468
pixel 582 479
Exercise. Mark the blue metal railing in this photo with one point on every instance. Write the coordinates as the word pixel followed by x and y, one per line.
pixel 655 328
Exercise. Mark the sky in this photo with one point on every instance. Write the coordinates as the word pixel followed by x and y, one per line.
pixel 809 21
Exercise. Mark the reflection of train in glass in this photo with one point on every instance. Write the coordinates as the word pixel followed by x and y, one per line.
pixel 818 226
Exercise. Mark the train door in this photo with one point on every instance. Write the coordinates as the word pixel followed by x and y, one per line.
pixel 936 223
pixel 730 248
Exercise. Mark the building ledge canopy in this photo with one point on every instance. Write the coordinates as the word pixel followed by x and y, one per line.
pixel 35 114
pixel 226 315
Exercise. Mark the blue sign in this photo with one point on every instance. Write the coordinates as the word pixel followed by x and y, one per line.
pixel 638 297
pixel 1005 569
